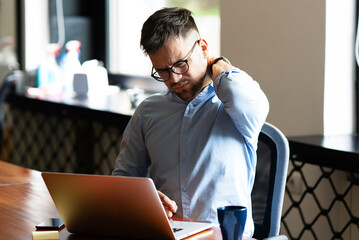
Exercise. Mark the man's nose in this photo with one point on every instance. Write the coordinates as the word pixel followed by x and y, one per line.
pixel 175 77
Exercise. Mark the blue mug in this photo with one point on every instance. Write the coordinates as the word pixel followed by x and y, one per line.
pixel 232 220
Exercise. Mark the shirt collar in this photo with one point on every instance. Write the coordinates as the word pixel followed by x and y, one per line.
pixel 205 94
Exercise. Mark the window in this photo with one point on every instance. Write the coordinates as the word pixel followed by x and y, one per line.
pixel 125 21
pixel 339 90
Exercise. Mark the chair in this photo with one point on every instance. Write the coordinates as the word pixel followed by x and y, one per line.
pixel 269 185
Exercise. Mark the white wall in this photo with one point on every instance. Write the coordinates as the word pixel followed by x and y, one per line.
pixel 7 18
pixel 7 31
pixel 281 43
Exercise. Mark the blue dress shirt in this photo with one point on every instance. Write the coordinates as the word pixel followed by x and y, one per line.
pixel 201 154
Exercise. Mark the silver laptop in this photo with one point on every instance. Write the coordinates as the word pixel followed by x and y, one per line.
pixel 125 207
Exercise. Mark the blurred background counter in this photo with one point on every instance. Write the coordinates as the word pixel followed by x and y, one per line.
pixel 65 133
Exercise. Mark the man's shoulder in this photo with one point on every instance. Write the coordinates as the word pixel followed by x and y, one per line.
pixel 155 98
pixel 157 102
pixel 160 96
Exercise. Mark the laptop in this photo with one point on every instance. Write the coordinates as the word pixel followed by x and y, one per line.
pixel 112 206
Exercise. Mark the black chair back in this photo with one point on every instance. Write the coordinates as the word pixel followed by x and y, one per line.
pixel 269 184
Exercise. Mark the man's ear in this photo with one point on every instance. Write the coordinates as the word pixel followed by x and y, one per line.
pixel 204 46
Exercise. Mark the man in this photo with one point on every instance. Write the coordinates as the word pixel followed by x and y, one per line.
pixel 198 140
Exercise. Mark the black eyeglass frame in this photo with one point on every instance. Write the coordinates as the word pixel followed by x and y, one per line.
pixel 160 79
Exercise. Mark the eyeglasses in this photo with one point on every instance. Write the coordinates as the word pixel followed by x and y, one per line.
pixel 179 67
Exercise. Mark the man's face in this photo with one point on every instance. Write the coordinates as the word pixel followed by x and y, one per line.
pixel 189 84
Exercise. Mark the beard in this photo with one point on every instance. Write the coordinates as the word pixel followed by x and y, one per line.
pixel 195 88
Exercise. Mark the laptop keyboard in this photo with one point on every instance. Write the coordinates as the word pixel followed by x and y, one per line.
pixel 177 229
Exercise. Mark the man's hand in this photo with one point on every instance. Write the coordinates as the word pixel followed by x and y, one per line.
pixel 217 68
pixel 169 205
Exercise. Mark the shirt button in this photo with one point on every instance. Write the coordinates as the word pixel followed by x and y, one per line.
pixel 184 189
pixel 183 160
pixel 183 131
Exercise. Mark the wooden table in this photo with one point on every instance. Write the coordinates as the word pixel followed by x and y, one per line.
pixel 25 202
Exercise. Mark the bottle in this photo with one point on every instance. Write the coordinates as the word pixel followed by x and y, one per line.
pixel 71 64
pixel 49 74
pixel 97 77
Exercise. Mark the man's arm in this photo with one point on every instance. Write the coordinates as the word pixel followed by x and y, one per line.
pixel 133 159
pixel 243 99
pixel 128 161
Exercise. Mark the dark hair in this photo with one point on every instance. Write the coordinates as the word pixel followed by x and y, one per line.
pixel 164 25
